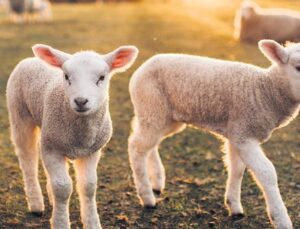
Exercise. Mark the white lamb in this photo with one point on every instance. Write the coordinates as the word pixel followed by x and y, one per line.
pixel 253 23
pixel 240 102
pixel 66 106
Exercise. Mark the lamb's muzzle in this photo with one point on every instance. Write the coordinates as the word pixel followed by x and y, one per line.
pixel 81 102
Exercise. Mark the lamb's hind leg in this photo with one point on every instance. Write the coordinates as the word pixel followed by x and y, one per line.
pixel 25 137
pixel 156 169
pixel 235 168
pixel 49 189
pixel 141 141
pixel 86 176
pixel 265 175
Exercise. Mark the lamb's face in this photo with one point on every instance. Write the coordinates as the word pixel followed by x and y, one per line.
pixel 87 74
pixel 287 60
pixel 248 13
pixel 245 22
pixel 292 68
pixel 86 82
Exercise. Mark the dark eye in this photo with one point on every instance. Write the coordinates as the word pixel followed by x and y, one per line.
pixel 298 68
pixel 66 77
pixel 101 78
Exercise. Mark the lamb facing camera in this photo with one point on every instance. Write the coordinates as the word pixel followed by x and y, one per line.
pixel 62 100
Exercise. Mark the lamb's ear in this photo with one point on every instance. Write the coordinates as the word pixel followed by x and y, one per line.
pixel 122 58
pixel 273 51
pixel 50 55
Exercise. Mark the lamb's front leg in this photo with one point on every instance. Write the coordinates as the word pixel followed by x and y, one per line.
pixel 235 168
pixel 265 175
pixel 61 186
pixel 86 176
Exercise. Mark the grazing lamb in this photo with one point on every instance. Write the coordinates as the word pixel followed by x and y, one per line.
pixel 21 11
pixel 240 102
pixel 253 23
pixel 66 107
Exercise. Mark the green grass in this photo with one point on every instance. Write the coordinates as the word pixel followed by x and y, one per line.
pixel 193 159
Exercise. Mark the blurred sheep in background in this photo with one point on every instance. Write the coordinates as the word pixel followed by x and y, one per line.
pixel 253 23
pixel 21 11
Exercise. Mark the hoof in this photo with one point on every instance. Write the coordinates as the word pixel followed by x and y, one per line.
pixel 150 207
pixel 237 217
pixel 156 192
pixel 37 214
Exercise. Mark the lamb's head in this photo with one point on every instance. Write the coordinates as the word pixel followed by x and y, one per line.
pixel 245 20
pixel 248 11
pixel 286 60
pixel 87 74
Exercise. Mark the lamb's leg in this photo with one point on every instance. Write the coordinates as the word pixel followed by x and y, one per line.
pixel 236 168
pixel 61 185
pixel 49 190
pixel 156 171
pixel 48 13
pixel 25 137
pixel 140 142
pixel 265 175
pixel 86 176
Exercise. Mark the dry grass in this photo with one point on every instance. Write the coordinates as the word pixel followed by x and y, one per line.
pixel 195 172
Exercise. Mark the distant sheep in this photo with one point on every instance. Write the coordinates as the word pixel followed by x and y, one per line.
pixel 21 11
pixel 253 23
pixel 240 102
pixel 64 105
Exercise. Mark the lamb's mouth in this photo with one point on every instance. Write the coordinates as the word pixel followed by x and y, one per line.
pixel 83 110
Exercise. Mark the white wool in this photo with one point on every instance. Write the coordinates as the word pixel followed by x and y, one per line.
pixel 61 100
pixel 241 103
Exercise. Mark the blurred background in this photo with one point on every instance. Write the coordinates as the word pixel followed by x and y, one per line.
pixel 193 159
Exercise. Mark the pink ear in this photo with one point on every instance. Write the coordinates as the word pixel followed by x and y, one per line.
pixel 122 58
pixel 46 55
pixel 273 51
pixel 50 55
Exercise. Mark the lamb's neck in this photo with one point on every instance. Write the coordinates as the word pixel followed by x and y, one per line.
pixel 86 134
pixel 279 93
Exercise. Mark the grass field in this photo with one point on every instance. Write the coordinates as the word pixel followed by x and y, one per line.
pixel 193 159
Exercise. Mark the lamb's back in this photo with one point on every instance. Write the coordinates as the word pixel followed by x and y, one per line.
pixel 190 76
pixel 199 90
pixel 281 27
pixel 29 84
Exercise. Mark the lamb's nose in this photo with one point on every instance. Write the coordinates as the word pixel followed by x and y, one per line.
pixel 80 102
